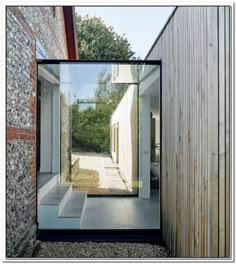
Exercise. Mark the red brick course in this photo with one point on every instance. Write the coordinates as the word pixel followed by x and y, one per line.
pixel 20 133
pixel 23 133
pixel 29 134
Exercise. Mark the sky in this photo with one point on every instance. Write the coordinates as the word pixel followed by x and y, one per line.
pixel 81 79
pixel 141 25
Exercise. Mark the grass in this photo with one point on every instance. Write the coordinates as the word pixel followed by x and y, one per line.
pixel 85 179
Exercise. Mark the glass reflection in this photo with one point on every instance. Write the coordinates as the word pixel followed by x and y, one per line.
pixel 100 135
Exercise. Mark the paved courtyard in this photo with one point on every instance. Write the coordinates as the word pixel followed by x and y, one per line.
pixel 102 174
pixel 122 212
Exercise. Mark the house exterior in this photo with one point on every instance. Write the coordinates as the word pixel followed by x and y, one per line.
pixel 195 49
pixel 124 137
pixel 32 33
pixel 135 127
pixel 123 126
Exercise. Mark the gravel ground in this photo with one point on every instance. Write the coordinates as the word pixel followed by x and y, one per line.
pixel 99 250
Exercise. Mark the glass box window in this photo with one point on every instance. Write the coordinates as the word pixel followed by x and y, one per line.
pixel 99 132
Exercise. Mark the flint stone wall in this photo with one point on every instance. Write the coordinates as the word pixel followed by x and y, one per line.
pixel 24 25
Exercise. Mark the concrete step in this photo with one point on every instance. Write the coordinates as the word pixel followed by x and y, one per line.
pixel 75 205
pixel 45 184
pixel 61 208
pixel 56 194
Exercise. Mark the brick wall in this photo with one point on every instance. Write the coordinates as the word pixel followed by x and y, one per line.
pixel 24 25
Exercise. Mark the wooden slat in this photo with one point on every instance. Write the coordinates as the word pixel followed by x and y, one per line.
pixel 203 135
pixel 175 180
pixel 181 182
pixel 189 229
pixel 170 136
pixel 206 124
pixel 184 136
pixel 180 178
pixel 188 205
pixel 221 132
pixel 164 146
pixel 199 110
pixel 212 130
pixel 177 141
pixel 191 153
pixel 201 195
pixel 195 131
pixel 197 128
pixel 167 208
pixel 227 130
pixel 172 153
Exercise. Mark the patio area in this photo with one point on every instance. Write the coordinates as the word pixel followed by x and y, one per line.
pixel 98 174
pixel 122 212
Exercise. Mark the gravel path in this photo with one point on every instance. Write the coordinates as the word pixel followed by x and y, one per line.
pixel 99 250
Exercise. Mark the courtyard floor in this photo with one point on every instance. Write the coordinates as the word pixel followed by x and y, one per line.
pixel 122 212
pixel 98 174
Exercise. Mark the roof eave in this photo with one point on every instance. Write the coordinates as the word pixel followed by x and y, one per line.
pixel 71 34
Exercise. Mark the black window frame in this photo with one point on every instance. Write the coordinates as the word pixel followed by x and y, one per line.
pixel 105 235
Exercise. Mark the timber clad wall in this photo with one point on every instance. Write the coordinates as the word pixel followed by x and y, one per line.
pixel 195 52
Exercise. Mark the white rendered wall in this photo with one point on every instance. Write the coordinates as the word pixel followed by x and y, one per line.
pixel 56 131
pixel 149 92
pixel 46 131
pixel 157 123
pixel 122 73
pixel 126 115
pixel 144 146
pixel 50 130
pixel 157 137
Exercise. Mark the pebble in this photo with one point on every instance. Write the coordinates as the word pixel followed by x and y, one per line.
pixel 99 250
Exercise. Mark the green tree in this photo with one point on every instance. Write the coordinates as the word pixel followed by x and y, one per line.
pixel 96 41
pixel 91 126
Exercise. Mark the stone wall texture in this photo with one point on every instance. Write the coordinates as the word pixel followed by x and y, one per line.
pixel 24 25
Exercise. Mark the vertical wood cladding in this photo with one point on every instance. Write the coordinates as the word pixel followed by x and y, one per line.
pixel 195 53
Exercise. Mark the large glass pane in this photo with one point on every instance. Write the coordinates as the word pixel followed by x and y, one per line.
pixel 104 110
pixel 99 136
pixel 149 130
